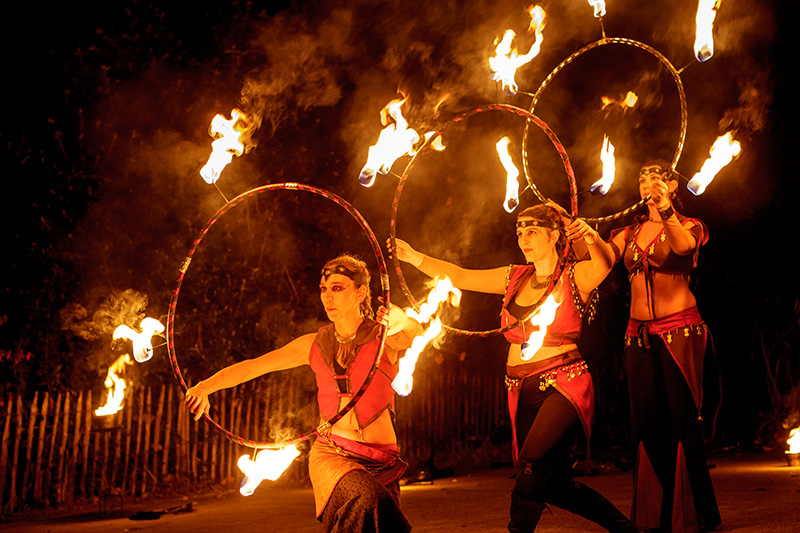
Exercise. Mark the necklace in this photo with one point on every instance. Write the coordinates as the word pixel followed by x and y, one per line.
pixel 344 340
pixel 541 284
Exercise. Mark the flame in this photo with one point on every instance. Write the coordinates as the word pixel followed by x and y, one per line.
pixel 626 103
pixel 609 168
pixel 142 348
pixel 794 441
pixel 599 8
pixel 443 291
pixel 269 464
pixel 439 104
pixel 227 143
pixel 504 65
pixel 395 140
pixel 704 20
pixel 512 173
pixel 721 153
pixel 543 317
pixel 115 385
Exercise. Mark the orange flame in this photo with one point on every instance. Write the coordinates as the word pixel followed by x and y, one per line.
pixel 704 32
pixel 609 168
pixel 443 291
pixel 794 441
pixel 543 317
pixel 228 142
pixel 115 385
pixel 512 173
pixel 395 140
pixel 505 63
pixel 599 8
pixel 721 153
pixel 626 103
pixel 142 348
pixel 269 464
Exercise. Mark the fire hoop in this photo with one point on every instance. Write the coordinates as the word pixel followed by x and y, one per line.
pixel 173 304
pixel 573 196
pixel 602 42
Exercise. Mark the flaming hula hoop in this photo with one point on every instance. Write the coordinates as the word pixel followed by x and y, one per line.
pixel 602 42
pixel 173 304
pixel 573 196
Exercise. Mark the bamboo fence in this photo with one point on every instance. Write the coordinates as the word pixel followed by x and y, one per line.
pixel 54 450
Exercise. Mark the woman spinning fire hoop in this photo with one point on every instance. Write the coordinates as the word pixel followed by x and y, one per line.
pixel 665 348
pixel 550 393
pixel 354 465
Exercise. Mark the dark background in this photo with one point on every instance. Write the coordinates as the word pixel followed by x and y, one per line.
pixel 105 129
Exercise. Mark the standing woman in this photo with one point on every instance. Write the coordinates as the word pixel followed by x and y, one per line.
pixel 666 343
pixel 550 392
pixel 354 465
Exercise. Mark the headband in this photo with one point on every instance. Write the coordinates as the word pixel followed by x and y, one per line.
pixel 339 269
pixel 540 223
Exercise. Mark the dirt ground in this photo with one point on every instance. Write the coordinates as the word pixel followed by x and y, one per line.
pixel 756 492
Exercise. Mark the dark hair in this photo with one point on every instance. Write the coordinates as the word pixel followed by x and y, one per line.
pixel 361 277
pixel 643 213
pixel 550 215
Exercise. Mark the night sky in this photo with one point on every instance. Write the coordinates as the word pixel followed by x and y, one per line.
pixel 106 127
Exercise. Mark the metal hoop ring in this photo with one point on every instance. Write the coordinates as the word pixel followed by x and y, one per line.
pixel 602 42
pixel 460 118
pixel 173 304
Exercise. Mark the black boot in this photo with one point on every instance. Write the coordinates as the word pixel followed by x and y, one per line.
pixel 524 514
pixel 583 501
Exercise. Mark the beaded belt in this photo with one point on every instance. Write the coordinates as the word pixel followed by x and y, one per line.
pixel 550 377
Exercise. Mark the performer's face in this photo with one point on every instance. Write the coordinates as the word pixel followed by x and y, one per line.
pixel 647 176
pixel 340 296
pixel 535 241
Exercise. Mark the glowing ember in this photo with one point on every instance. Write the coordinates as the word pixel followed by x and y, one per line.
pixel 269 464
pixel 794 441
pixel 142 348
pixel 704 20
pixel 599 8
pixel 395 140
pixel 115 385
pixel 443 291
pixel 626 103
pixel 228 135
pixel 512 186
pixel 722 152
pixel 609 168
pixel 543 317
pixel 504 65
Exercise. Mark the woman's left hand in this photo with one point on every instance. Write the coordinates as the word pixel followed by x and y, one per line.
pixel 392 316
pixel 579 229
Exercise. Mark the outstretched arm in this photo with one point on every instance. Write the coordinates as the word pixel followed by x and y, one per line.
pixel 291 355
pixel 589 274
pixel 491 281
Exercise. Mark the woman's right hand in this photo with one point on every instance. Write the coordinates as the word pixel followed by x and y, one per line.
pixel 405 252
pixel 197 401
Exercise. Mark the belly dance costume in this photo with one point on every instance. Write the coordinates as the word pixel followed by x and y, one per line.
pixel 664 360
pixel 356 483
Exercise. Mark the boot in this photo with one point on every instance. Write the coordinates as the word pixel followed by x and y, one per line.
pixel 581 500
pixel 524 514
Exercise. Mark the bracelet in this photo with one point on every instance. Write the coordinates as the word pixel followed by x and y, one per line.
pixel 666 213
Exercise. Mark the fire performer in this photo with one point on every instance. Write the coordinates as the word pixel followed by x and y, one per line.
pixel 550 392
pixel 665 349
pixel 354 465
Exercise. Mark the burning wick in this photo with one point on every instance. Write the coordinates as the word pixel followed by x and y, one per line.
pixel 504 65
pixel 142 348
pixel 395 140
pixel 269 464
pixel 512 173
pixel 543 317
pixel 794 441
pixel 721 153
pixel 704 20
pixel 599 8
pixel 627 103
pixel 115 385
pixel 602 185
pixel 228 135
pixel 443 291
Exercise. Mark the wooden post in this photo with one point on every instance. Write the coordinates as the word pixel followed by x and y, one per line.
pixel 50 457
pixel 128 423
pixel 87 439
pixel 34 413
pixel 167 434
pixel 138 445
pixel 63 448
pixel 157 437
pixel 146 442
pixel 76 438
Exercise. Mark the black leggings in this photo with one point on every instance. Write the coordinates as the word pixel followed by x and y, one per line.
pixel 360 503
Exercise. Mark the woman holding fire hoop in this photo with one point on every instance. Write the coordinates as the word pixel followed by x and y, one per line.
pixel 550 391
pixel 354 465
pixel 665 349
